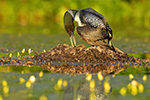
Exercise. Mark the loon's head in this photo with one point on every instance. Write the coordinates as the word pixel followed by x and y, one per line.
pixel 69 21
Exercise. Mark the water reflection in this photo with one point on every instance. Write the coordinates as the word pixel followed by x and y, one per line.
pixel 73 87
pixel 87 90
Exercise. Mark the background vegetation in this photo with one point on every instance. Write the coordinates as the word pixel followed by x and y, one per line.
pixel 47 15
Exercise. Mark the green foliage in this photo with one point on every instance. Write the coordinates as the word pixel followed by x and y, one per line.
pixel 139 55
pixel 50 12
pixel 20 68
pixel 136 70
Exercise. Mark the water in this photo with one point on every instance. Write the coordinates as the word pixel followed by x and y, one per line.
pixel 52 86
pixel 47 86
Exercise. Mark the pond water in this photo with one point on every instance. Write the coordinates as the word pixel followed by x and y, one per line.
pixel 35 83
pixel 53 86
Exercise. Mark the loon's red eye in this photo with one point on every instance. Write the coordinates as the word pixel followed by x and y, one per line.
pixel 69 30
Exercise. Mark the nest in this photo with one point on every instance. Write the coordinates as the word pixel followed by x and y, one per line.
pixel 80 59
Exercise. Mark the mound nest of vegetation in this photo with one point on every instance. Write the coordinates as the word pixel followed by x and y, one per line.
pixel 80 59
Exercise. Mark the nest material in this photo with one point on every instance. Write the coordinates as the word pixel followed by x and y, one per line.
pixel 91 59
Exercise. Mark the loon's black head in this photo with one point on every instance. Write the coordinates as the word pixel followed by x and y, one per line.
pixel 69 21
pixel 69 25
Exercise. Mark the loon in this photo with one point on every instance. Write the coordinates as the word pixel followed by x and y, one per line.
pixel 92 27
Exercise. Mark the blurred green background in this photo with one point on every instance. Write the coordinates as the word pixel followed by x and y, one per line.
pixel 46 16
